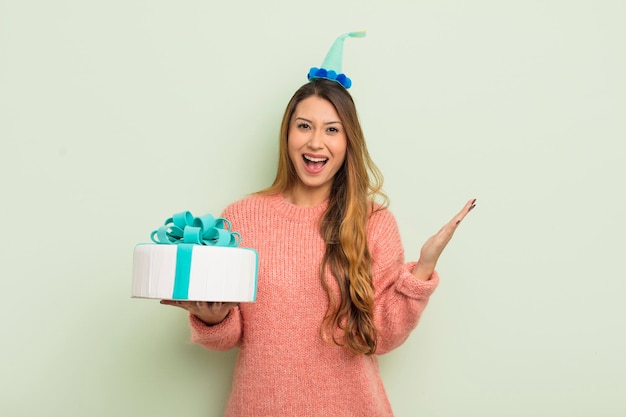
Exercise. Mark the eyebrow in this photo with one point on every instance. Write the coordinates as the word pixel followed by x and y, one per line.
pixel 309 121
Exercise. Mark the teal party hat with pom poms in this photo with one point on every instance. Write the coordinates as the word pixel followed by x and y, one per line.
pixel 331 67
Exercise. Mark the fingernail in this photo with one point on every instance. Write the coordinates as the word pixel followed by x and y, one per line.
pixel 473 201
pixel 471 207
pixel 457 222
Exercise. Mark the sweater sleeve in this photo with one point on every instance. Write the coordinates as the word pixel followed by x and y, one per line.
pixel 222 336
pixel 400 298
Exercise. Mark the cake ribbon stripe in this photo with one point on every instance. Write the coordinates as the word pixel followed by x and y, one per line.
pixel 186 231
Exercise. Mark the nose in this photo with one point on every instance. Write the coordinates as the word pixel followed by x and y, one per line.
pixel 316 140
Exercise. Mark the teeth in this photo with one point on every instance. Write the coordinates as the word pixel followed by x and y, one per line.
pixel 310 158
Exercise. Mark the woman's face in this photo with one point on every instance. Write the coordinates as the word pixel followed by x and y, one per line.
pixel 317 147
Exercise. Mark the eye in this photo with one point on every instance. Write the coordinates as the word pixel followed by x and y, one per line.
pixel 303 125
pixel 333 129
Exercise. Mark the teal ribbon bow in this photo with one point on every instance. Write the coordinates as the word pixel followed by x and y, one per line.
pixel 185 231
pixel 204 230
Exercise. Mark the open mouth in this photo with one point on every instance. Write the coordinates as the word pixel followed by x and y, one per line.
pixel 314 163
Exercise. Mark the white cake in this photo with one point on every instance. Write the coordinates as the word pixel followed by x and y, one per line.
pixel 195 272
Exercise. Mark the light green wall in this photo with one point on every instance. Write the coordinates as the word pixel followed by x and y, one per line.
pixel 116 114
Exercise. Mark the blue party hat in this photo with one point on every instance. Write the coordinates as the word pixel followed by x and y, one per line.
pixel 331 67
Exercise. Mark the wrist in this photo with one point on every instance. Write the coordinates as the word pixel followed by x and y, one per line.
pixel 212 321
pixel 423 271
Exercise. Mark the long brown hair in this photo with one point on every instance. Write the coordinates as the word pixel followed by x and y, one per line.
pixel 354 190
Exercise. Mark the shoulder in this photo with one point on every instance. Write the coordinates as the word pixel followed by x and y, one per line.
pixel 383 236
pixel 382 225
pixel 249 209
pixel 381 220
pixel 249 202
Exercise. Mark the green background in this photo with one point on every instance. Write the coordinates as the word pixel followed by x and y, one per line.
pixel 115 115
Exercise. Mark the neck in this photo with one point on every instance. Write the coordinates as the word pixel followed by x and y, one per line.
pixel 303 196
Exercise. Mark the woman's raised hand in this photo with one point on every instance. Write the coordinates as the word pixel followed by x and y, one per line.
pixel 434 246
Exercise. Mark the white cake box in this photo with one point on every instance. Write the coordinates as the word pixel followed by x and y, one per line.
pixel 195 272
pixel 195 259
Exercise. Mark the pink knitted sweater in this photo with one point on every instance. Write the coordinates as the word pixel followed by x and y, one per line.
pixel 283 367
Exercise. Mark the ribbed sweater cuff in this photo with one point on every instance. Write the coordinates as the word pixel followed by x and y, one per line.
pixel 415 288
pixel 202 332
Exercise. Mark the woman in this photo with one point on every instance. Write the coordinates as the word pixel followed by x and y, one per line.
pixel 333 289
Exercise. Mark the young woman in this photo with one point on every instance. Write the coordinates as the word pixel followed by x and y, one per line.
pixel 334 291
